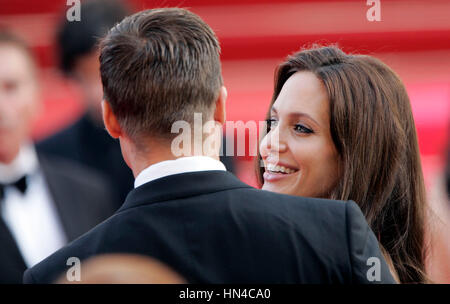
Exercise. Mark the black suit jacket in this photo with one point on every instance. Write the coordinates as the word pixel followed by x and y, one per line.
pixel 212 228
pixel 89 144
pixel 82 200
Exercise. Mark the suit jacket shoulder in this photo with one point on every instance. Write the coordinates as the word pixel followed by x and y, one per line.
pixel 212 228
pixel 365 257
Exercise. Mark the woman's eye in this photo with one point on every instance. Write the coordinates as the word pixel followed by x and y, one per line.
pixel 302 129
pixel 271 123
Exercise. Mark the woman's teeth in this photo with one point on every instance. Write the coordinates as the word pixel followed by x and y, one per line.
pixel 279 169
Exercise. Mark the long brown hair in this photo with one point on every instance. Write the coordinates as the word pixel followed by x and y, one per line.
pixel 373 130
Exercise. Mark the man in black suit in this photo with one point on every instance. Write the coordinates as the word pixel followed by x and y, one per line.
pixel 86 141
pixel 158 68
pixel 44 201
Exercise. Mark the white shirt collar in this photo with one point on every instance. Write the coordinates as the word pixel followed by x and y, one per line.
pixel 26 162
pixel 177 166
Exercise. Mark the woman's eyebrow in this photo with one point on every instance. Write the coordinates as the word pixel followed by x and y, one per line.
pixel 296 115
pixel 302 114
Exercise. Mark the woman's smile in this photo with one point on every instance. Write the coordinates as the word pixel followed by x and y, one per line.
pixel 275 172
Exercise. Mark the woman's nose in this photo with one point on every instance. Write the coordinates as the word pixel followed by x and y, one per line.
pixel 275 141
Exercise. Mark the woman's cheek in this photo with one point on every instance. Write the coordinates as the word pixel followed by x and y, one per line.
pixel 263 147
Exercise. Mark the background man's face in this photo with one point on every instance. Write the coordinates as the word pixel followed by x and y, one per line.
pixel 18 100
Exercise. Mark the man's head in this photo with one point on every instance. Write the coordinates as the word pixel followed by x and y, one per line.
pixel 78 48
pixel 158 67
pixel 19 102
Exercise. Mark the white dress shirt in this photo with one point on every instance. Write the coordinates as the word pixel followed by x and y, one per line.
pixel 31 217
pixel 177 166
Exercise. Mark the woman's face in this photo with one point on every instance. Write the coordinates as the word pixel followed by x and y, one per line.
pixel 298 153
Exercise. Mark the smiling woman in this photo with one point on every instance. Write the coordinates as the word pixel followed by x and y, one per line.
pixel 341 127
pixel 308 160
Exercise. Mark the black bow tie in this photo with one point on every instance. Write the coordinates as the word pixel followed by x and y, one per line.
pixel 20 184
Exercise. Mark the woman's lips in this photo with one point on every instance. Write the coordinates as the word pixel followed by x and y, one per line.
pixel 277 172
pixel 272 176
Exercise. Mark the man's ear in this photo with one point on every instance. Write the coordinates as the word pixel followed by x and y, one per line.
pixel 110 121
pixel 220 111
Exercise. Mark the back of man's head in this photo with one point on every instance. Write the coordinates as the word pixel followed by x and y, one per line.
pixel 160 66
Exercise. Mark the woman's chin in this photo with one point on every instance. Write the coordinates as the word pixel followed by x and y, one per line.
pixel 275 187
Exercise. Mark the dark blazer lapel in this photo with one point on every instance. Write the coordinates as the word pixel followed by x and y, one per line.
pixel 60 190
pixel 12 264
pixel 182 185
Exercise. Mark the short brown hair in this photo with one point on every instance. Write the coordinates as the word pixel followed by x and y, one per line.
pixel 160 66
pixel 373 129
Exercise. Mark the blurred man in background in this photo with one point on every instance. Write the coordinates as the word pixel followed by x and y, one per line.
pixel 44 201
pixel 86 141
